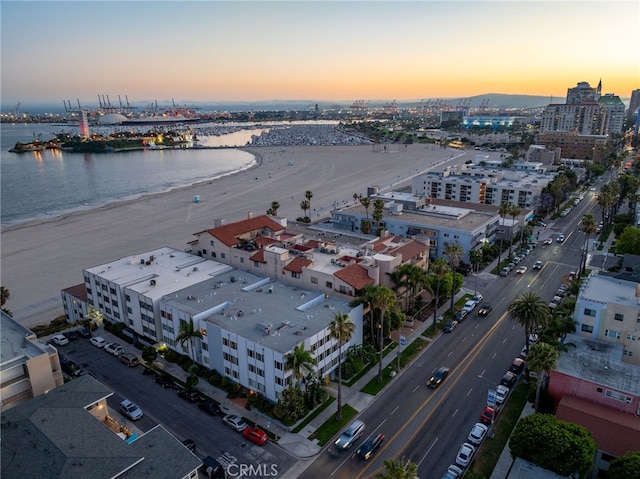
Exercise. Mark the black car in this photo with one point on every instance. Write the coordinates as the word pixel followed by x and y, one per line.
pixel 450 326
pixel 84 332
pixel 485 309
pixel 509 379
pixel 210 407
pixel 439 376
pixel 517 366
pixel 162 380
pixel 368 447
pixel 190 395
pixel 71 335
pixel 460 315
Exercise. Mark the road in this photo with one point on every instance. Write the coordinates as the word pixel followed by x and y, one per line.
pixel 427 426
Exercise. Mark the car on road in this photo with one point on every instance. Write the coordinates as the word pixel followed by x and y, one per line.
pixel 60 340
pixel 521 270
pixel 350 435
pixel 564 287
pixel 560 239
pixel 485 309
pixel 98 342
pixel 255 434
pixel 477 433
pixel 70 367
pixel 163 380
pixel 190 395
pixel 501 394
pixel 542 224
pixel 517 366
pixel 460 315
pixel 453 472
pixel 560 292
pixel 210 407
pixel 547 241
pixel 450 326
pixel 572 275
pixel 538 265
pixel 131 410
pixel 488 415
pixel 114 348
pixel 369 446
pixel 129 359
pixel 437 378
pixel 517 259
pixel 469 306
pixel 235 422
pixel 465 454
pixel 509 379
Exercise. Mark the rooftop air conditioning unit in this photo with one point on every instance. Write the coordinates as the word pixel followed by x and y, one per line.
pixel 152 282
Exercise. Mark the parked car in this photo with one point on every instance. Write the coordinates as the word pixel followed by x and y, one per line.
pixel 60 340
pixel 235 422
pixel 478 298
pixel 501 394
pixel 488 415
pixel 521 270
pixel 190 395
pixel 485 309
pixel 369 446
pixel 212 469
pixel 131 410
pixel 517 259
pixel 450 326
pixel 163 380
pixel 350 435
pixel 517 366
pixel 453 472
pixel 561 293
pixel 129 359
pixel 255 434
pixel 210 407
pixel 84 332
pixel 504 271
pixel 469 306
pixel 70 367
pixel 71 335
pixel 460 315
pixel 477 433
pixel 564 287
pixel 523 352
pixel 437 378
pixel 509 379
pixel 538 265
pixel 98 342
pixel 114 348
pixel 542 224
pixel 465 454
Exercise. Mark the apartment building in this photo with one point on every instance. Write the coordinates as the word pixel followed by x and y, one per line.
pixel 616 108
pixel 74 303
pixel 28 367
pixel 571 144
pixel 588 118
pixel 583 92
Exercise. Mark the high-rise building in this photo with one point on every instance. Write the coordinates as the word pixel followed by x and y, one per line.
pixel 634 104
pixel 83 123
pixel 583 92
pixel 589 118
pixel 616 112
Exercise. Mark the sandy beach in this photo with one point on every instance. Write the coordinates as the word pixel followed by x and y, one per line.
pixel 41 258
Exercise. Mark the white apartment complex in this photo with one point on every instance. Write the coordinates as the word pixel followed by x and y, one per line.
pixel 616 108
pixel 588 118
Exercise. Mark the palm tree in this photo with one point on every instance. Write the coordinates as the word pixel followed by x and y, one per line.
pixel 355 198
pixel 378 211
pixel 300 361
pixel 454 251
pixel 400 285
pixel 4 295
pixel 541 358
pixel 513 212
pixel 439 269
pixel 304 206
pixel 531 312
pixel 383 299
pixel 400 469
pixel 341 328
pixel 366 299
pixel 366 202
pixel 588 227
pixel 187 334
pixel 503 211
pixel 273 211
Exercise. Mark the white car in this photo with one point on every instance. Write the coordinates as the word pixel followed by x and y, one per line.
pixel 478 433
pixel 453 472
pixel 469 305
pixel 131 410
pixel 465 454
pixel 114 348
pixel 98 342
pixel 235 422
pixel 60 340
pixel 521 270
pixel 501 394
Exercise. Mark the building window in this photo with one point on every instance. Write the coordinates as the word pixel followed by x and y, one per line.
pixel 223 255
pixel 589 312
pixel 587 328
pixel 213 243
pixel 256 264
pixel 295 275
pixel 618 396
pixel 278 365
pixel 204 252
pixel 260 357
pixel 626 352
pixel 314 280
pixel 205 346
pixel 618 317
pixel 329 284
pixel 611 334
pixel 242 260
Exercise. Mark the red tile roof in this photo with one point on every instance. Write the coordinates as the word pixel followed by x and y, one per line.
pixel 229 234
pixel 411 249
pixel 614 432
pixel 301 247
pixel 264 241
pixel 355 276
pixel 258 256
pixel 297 265
pixel 78 291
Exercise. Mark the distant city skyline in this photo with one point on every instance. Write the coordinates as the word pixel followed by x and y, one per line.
pixel 215 51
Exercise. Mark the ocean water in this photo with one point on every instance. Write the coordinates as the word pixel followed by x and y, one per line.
pixel 52 183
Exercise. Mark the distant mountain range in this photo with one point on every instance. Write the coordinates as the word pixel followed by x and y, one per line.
pixel 495 100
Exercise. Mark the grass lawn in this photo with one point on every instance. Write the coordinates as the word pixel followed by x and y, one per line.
pixel 331 427
pixel 314 414
pixel 490 450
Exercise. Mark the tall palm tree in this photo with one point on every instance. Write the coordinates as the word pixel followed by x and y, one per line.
pixel 503 211
pixel 454 251
pixel 400 469
pixel 366 202
pixel 588 226
pixel 308 195
pixel 514 211
pixel 300 361
pixel 400 286
pixel 531 312
pixel 439 269
pixel 273 210
pixel 187 334
pixel 304 206
pixel 541 359
pixel 383 300
pixel 378 211
pixel 341 328
pixel 355 198
pixel 366 299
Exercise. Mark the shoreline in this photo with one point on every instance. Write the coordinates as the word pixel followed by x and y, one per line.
pixel 42 257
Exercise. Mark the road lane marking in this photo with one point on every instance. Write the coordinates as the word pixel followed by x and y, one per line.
pixel 428 451
pixel 469 392
pixel 393 412
pixel 416 388
pixel 454 413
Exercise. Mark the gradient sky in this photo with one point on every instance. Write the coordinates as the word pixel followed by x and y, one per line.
pixel 320 51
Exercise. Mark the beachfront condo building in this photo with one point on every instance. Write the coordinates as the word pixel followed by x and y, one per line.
pixel 29 368
pixel 249 323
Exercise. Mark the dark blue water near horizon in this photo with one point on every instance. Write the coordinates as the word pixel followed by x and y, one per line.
pixel 52 183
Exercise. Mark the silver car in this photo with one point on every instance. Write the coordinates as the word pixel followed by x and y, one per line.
pixel 350 435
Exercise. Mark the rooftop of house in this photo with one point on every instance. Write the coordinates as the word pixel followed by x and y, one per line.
pixel 266 312
pixel 600 363
pixel 18 343
pixel 607 289
pixel 55 436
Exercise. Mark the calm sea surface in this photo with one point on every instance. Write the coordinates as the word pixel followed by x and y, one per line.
pixel 51 183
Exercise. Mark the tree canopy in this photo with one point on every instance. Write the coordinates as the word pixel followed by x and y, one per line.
pixel 560 446
pixel 629 241
pixel 625 467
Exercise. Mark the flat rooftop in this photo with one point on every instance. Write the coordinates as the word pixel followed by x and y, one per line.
pixel 599 362
pixel 16 347
pixel 607 289
pixel 266 312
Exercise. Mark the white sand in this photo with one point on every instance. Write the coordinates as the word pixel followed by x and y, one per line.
pixel 41 258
